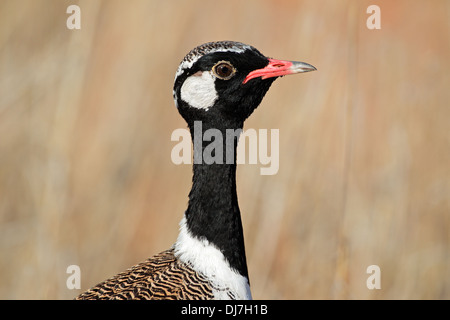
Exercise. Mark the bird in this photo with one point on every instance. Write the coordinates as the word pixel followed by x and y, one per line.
pixel 218 84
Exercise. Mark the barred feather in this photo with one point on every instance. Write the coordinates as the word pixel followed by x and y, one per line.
pixel 162 276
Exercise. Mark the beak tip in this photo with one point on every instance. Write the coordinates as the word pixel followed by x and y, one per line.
pixel 302 67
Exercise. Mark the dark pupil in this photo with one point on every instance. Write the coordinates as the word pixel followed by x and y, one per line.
pixel 223 70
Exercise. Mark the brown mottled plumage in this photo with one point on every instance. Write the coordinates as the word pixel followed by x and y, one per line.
pixel 159 277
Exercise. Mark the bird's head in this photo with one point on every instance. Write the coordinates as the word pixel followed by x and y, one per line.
pixel 223 82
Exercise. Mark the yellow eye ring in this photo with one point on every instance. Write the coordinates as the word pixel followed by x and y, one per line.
pixel 223 70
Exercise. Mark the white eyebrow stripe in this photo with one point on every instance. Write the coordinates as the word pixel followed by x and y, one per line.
pixel 192 57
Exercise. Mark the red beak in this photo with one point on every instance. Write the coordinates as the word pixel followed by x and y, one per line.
pixel 277 68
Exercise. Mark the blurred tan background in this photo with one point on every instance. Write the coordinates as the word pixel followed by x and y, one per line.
pixel 86 117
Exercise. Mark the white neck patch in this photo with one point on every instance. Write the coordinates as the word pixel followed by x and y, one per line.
pixel 209 261
pixel 199 90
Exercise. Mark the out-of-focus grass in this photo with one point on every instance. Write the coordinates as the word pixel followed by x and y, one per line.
pixel 86 118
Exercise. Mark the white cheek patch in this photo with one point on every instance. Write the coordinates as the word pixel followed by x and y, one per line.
pixel 199 90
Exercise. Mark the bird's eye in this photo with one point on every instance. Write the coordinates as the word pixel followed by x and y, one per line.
pixel 224 70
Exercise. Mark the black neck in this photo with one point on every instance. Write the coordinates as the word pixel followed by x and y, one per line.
pixel 213 211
